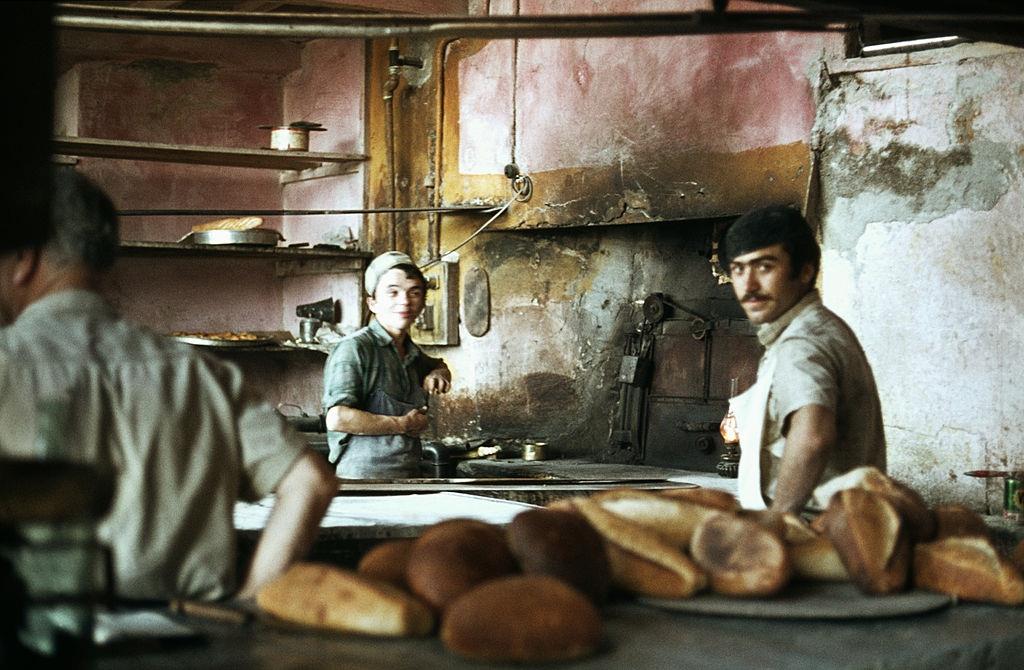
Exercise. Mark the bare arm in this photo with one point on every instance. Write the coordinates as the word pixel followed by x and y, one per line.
pixel 302 498
pixel 360 422
pixel 812 433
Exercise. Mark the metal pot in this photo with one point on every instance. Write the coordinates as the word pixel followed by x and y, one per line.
pixel 293 137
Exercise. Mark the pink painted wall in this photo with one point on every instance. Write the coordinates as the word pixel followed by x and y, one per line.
pixel 209 94
pixel 591 102
pixel 328 89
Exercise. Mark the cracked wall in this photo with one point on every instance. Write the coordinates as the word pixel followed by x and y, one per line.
pixel 922 194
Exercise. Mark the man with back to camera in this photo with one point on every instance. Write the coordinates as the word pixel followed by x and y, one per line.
pixel 376 380
pixel 181 434
pixel 814 411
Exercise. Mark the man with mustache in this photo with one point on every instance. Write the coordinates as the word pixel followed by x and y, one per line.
pixel 814 411
pixel 376 381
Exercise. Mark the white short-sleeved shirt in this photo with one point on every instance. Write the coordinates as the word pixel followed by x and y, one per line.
pixel 818 361
pixel 183 438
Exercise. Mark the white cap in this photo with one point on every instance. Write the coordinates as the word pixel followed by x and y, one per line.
pixel 382 264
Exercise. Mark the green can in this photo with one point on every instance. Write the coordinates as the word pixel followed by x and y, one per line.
pixel 1013 498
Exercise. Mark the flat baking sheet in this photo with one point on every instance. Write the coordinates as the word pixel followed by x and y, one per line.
pixel 213 342
pixel 810 600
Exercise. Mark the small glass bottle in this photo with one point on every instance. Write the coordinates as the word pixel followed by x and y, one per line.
pixel 729 464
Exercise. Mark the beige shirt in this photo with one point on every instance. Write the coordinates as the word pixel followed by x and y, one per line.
pixel 183 438
pixel 818 361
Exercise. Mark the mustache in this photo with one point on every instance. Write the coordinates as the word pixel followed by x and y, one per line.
pixel 753 296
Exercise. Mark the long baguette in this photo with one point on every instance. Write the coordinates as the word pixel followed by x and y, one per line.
pixel 325 596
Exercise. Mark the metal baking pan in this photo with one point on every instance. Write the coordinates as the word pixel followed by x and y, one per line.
pixel 216 342
pixel 257 237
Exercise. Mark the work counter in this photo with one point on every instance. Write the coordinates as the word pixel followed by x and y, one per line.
pixel 637 637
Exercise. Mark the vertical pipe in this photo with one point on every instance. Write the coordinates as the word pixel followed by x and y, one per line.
pixel 390 84
pixel 434 220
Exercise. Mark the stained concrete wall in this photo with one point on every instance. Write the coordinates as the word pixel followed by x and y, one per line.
pixel 675 132
pixel 923 188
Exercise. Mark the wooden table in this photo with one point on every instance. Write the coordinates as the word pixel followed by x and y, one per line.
pixel 638 638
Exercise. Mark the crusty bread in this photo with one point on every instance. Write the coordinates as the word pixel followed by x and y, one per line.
pixel 562 545
pixel 967 567
pixel 741 556
pixel 871 538
pixel 387 562
pixel 236 223
pixel 672 518
pixel 453 556
pixel 957 520
pixel 817 560
pixel 716 498
pixel 790 527
pixel 642 561
pixel 1017 557
pixel 325 596
pixel 920 522
pixel 522 619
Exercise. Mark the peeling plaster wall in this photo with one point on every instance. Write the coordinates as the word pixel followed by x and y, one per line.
pixel 923 189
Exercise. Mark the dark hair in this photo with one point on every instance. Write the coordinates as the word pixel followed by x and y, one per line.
pixel 84 222
pixel 764 227
pixel 411 272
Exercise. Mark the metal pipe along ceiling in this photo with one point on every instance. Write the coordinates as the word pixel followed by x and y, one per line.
pixel 311 26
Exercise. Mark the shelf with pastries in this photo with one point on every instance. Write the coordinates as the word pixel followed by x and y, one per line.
pixel 263 342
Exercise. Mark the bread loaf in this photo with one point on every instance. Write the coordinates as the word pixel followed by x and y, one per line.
pixel 325 596
pixel 522 619
pixel 741 556
pixel 387 562
pixel 453 556
pixel 672 518
pixel 957 520
pixel 642 561
pixel 715 498
pixel 920 522
pixel 562 545
pixel 871 539
pixel 1017 557
pixel 236 223
pixel 967 567
pixel 817 560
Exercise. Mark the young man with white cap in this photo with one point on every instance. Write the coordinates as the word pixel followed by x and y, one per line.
pixel 376 381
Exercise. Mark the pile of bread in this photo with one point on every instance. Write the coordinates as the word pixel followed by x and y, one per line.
pixel 532 592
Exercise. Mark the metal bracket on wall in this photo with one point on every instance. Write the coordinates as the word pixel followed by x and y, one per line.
pixel 438 324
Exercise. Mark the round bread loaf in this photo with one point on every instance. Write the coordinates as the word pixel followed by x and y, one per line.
pixel 453 556
pixel 562 545
pixel 387 562
pixel 741 556
pixel 522 619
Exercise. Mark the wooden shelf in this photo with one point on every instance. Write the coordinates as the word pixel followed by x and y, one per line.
pixel 291 260
pixel 200 155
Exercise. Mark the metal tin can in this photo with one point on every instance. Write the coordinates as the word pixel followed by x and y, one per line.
pixel 1013 498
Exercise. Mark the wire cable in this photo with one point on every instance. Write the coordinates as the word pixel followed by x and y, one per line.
pixel 522 188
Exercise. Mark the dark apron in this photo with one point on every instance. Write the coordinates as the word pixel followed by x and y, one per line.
pixel 383 456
